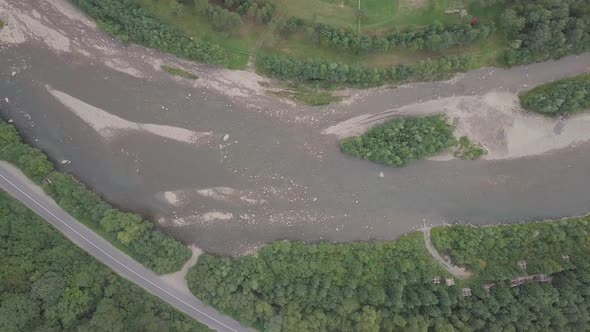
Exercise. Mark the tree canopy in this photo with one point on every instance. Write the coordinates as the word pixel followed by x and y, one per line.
pixel 399 141
pixel 562 97
pixel 48 284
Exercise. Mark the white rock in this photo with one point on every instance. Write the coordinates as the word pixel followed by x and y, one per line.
pixel 381 175
pixel 6 99
pixel 315 199
pixel 10 121
pixel 226 137
pixel 13 73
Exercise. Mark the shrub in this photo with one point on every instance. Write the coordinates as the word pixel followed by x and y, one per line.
pixel 397 142
pixel 562 97
pixel 468 150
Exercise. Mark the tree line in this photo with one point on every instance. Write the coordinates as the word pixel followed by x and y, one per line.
pixel 48 284
pixel 129 22
pixel 399 141
pixel 562 97
pixel 128 231
pixel 431 37
pixel 389 286
pixel 545 29
pixel 329 72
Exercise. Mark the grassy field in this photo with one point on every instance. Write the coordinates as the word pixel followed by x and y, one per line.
pixel 379 16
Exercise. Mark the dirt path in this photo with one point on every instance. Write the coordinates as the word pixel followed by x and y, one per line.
pixel 458 272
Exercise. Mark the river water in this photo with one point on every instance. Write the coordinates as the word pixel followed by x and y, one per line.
pixel 287 180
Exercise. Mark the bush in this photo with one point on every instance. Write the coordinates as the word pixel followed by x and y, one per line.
pixel 128 21
pixel 563 97
pixel 400 141
pixel 128 231
pixel 468 150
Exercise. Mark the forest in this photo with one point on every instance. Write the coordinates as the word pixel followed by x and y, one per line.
pixel 399 141
pixel 390 286
pixel 494 253
pixel 545 29
pixel 127 231
pixel 559 98
pixel 48 284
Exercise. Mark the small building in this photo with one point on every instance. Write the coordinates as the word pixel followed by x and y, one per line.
pixel 450 281
pixel 566 258
pixel 522 265
pixel 466 291
pixel 436 280
pixel 487 287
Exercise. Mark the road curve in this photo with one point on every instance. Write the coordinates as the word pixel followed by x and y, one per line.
pixel 17 185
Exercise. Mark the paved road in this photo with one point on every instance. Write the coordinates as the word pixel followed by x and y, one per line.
pixel 18 186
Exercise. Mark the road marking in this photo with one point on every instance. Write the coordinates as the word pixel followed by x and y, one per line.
pixel 113 258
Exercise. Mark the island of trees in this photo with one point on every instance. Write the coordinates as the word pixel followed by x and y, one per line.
pixel 559 98
pixel 399 141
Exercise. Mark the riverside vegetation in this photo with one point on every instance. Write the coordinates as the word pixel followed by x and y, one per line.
pixel 319 41
pixel 127 231
pixel 399 141
pixel 389 286
pixel 562 97
pixel 49 284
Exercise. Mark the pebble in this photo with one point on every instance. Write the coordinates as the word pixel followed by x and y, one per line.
pixel 315 199
pixel 226 137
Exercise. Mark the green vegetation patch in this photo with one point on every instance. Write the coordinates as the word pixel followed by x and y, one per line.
pixel 494 253
pixel 468 150
pixel 126 20
pixel 1 24
pixel 290 286
pixel 397 142
pixel 179 72
pixel 49 284
pixel 562 97
pixel 128 231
